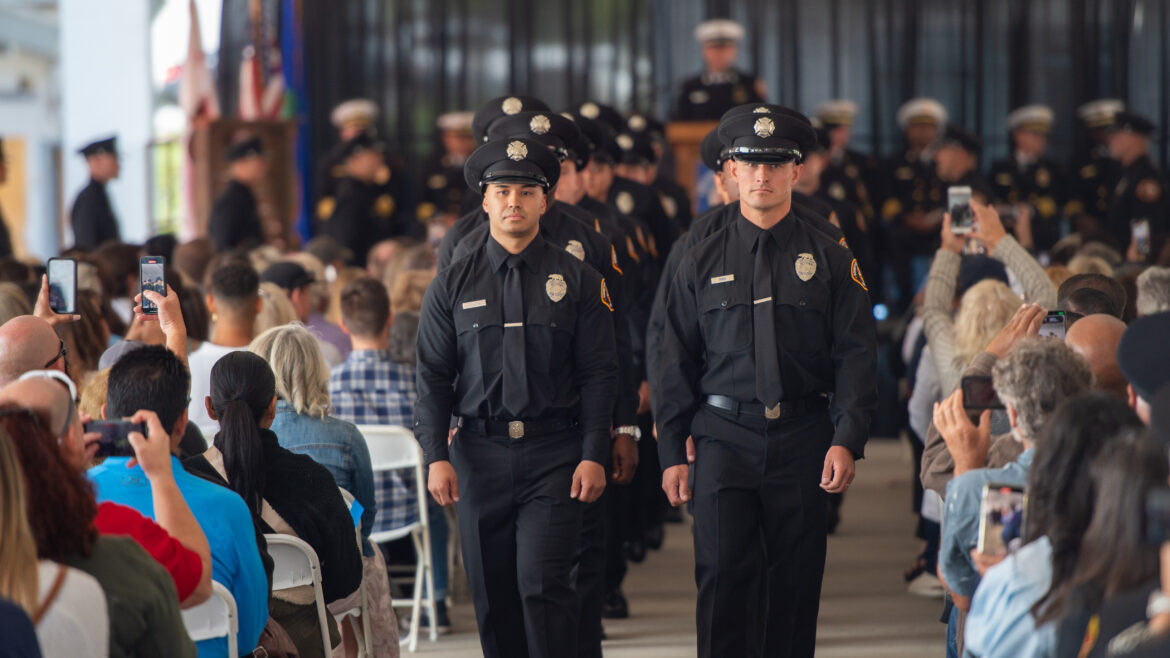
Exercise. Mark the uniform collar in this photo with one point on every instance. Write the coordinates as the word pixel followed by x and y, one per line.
pixel 497 254
pixel 749 233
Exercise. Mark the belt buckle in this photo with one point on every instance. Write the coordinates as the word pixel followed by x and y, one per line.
pixel 516 429
pixel 772 412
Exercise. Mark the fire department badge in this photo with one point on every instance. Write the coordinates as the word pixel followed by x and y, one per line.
pixel 511 105
pixel 576 248
pixel 764 127
pixel 539 124
pixel 517 151
pixel 555 287
pixel 806 266
pixel 625 202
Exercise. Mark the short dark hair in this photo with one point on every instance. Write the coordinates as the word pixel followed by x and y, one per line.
pixel 1090 301
pixel 365 306
pixel 1111 287
pixel 235 282
pixel 150 377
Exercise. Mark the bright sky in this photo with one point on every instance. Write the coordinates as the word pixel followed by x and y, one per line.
pixel 169 36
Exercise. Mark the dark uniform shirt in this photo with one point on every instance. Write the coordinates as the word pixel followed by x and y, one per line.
pixel 676 203
pixel 1139 194
pixel 826 336
pixel 392 191
pixel 93 217
pixel 364 214
pixel 445 189
pixel 235 222
pixel 910 185
pixel 848 177
pixel 1040 184
pixel 558 228
pixel 1092 179
pixel 707 96
pixel 632 198
pixel 569 353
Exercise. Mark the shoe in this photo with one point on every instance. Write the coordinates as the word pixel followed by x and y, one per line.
pixel 442 621
pixel 615 606
pixel 635 551
pixel 926 585
pixel 916 569
pixel 654 537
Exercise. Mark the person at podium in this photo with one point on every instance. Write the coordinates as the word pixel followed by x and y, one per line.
pixel 705 97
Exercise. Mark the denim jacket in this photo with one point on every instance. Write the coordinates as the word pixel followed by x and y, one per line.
pixel 340 448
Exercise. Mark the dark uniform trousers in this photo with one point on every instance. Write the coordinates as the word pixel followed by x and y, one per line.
pixel 761 513
pixel 588 575
pixel 520 530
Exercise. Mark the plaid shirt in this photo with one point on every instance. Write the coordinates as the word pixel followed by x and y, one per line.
pixel 370 388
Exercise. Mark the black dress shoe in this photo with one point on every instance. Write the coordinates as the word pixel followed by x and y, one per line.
pixel 635 551
pixel 615 606
pixel 654 537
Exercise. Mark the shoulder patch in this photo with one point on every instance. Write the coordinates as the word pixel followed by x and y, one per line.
pixel 605 296
pixel 843 243
pixel 613 260
pixel 855 273
pixel 631 251
pixel 1148 190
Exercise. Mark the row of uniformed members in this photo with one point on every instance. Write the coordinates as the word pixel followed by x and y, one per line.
pixel 516 338
pixel 92 214
pixel 768 361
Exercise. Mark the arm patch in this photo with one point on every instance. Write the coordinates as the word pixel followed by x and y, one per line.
pixel 855 273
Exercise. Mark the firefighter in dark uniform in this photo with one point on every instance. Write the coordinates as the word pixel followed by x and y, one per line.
pixel 445 194
pixel 235 221
pixel 516 339
pixel 769 362
pixel 1028 176
pixel 365 211
pixel 849 174
pixel 660 173
pixel 1140 195
pixel 92 215
pixel 706 96
pixel 1094 172
pixel 910 190
pixel 5 239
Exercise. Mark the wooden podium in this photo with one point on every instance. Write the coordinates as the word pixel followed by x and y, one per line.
pixel 684 138
pixel 276 197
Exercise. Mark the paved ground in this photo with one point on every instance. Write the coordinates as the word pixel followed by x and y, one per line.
pixel 865 610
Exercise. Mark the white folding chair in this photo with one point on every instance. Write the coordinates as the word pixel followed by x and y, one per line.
pixel 215 617
pixel 394 448
pixel 295 563
pixel 362 612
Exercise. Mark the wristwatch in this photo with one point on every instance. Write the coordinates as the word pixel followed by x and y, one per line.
pixel 632 430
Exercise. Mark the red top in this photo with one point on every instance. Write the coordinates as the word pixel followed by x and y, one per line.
pixel 181 562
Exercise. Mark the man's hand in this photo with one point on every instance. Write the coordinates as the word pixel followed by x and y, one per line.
pixel 838 472
pixel 1024 324
pixel 41 308
pixel 988 227
pixel 588 481
pixel 967 443
pixel 625 459
pixel 951 242
pixel 443 483
pixel 644 398
pixel 674 483
pixel 153 451
pixel 169 318
pixel 89 440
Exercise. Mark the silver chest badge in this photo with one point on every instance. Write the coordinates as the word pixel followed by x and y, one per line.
pixel 556 287
pixel 576 248
pixel 806 266
pixel 625 202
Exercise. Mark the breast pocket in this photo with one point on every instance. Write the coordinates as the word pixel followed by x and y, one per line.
pixel 803 316
pixel 549 332
pixel 725 317
pixel 479 335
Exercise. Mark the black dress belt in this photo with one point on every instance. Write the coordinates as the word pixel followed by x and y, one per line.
pixel 784 409
pixel 516 429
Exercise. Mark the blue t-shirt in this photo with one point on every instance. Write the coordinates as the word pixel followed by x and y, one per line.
pixel 227 524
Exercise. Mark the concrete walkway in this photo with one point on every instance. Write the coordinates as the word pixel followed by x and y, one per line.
pixel 865 610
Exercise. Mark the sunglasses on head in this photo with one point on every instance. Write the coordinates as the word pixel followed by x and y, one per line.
pixel 70 388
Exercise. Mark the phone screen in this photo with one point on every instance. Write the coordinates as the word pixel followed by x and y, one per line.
pixel 1054 325
pixel 979 393
pixel 1001 518
pixel 1140 229
pixel 959 206
pixel 151 273
pixel 115 441
pixel 63 285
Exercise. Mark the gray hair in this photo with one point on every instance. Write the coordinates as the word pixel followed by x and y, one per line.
pixel 1153 291
pixel 302 378
pixel 1036 377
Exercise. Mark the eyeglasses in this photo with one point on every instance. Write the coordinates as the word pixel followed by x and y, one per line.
pixel 62 354
pixel 70 388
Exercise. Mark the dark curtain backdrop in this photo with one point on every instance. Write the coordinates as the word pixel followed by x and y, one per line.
pixel 981 58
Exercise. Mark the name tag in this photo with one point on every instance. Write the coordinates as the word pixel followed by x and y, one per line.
pixel 726 278
pixel 476 304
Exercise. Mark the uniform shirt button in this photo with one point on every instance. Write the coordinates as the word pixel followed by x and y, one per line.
pixel 802 303
pixel 475 325
pixel 554 325
pixel 723 303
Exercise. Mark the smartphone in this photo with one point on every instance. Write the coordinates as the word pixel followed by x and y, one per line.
pixel 1140 230
pixel 1055 325
pixel 1001 518
pixel 63 285
pixel 150 274
pixel 979 393
pixel 959 206
pixel 1158 516
pixel 115 441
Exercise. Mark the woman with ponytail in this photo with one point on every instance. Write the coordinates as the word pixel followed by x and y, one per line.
pixel 293 494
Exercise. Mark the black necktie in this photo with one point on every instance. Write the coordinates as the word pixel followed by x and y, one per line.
pixel 515 378
pixel 768 388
